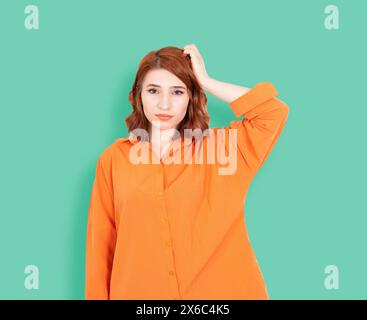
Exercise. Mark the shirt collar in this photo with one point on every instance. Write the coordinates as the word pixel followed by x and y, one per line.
pixel 187 141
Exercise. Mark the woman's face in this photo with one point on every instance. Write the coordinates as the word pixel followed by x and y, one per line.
pixel 164 93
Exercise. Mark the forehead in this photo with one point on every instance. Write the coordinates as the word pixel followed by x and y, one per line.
pixel 163 78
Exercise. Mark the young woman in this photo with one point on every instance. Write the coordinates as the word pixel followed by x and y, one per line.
pixel 163 229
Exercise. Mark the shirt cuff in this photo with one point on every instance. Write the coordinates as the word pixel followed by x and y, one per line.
pixel 262 92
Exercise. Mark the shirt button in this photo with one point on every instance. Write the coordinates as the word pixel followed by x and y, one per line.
pixel 163 219
pixel 160 193
pixel 171 273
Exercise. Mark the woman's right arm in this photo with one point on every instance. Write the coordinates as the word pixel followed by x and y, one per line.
pixel 101 233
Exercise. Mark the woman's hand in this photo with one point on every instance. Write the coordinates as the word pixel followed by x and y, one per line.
pixel 197 62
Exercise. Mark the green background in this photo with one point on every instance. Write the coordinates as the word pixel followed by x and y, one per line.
pixel 64 97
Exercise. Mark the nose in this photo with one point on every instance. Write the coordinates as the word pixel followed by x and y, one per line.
pixel 164 103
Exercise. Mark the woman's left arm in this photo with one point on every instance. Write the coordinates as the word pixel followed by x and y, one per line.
pixel 265 118
pixel 224 91
pixel 265 115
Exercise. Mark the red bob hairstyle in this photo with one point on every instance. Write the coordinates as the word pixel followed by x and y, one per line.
pixel 173 60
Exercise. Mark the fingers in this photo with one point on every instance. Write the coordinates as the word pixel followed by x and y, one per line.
pixel 191 49
pixel 190 46
pixel 192 52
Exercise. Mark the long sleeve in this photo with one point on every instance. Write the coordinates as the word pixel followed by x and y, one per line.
pixel 265 118
pixel 101 233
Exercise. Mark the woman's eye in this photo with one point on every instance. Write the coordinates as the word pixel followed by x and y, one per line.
pixel 177 92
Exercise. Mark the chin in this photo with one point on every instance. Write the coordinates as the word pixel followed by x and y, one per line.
pixel 167 127
pixel 163 126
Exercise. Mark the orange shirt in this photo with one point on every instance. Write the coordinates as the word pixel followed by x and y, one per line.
pixel 177 231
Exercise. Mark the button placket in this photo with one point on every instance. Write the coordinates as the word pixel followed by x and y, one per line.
pixel 166 235
pixel 160 180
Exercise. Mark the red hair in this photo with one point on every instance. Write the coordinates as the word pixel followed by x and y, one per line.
pixel 173 60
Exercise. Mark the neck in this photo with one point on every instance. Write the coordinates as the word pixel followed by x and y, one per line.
pixel 163 136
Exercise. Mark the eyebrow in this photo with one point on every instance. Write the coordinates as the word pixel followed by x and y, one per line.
pixel 155 85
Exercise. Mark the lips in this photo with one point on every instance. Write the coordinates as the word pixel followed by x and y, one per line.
pixel 163 116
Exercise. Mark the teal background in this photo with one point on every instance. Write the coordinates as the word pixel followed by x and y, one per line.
pixel 63 100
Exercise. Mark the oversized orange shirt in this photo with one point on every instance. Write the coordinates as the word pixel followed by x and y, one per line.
pixel 177 231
